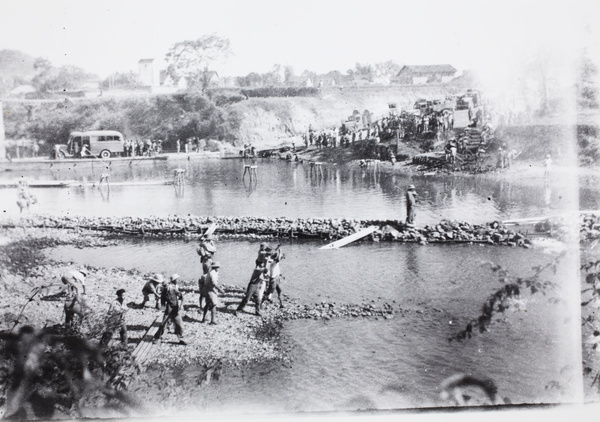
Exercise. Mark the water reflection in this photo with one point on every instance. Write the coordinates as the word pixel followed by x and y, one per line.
pixel 294 190
pixel 250 186
pixel 104 192
pixel 547 194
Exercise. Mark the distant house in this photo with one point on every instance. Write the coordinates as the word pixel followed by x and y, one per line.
pixel 425 74
pixel 148 73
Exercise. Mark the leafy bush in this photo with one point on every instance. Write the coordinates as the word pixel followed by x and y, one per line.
pixel 223 100
pixel 589 144
pixel 49 369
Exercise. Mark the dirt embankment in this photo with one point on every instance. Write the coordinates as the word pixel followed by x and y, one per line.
pixel 268 122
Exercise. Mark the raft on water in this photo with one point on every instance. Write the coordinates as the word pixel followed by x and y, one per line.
pixel 446 231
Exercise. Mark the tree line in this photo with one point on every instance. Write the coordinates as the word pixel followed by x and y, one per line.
pixel 166 117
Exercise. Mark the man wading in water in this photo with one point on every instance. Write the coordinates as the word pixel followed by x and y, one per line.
pixel 410 205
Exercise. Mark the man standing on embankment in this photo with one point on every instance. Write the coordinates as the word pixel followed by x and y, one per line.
pixel 410 205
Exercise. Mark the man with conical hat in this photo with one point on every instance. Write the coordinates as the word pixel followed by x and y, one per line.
pixel 411 201
pixel 152 287
pixel 210 290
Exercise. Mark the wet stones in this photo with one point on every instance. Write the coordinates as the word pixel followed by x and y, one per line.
pixel 281 227
pixel 328 311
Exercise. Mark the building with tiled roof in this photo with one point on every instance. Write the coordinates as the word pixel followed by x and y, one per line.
pixel 425 74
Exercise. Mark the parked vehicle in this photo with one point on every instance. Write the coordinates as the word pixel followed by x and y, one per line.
pixel 97 143
pixel 470 100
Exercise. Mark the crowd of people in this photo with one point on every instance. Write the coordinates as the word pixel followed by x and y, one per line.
pixel 265 281
pixel 141 148
pixel 188 145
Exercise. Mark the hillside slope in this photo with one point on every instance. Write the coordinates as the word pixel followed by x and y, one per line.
pixel 271 121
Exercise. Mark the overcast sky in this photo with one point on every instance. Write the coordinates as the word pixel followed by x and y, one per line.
pixel 321 35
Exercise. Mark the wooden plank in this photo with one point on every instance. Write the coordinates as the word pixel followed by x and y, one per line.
pixel 352 238
pixel 210 230
pixel 140 352
pixel 145 344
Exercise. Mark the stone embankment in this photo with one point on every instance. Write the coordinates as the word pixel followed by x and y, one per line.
pixel 265 228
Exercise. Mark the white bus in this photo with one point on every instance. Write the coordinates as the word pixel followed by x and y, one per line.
pixel 99 143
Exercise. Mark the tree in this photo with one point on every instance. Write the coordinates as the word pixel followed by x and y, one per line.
pixel 49 78
pixel 43 69
pixel 289 75
pixel 192 59
pixel 252 79
pixel 386 71
pixel 587 82
pixel 364 71
pixel 126 80
pixel 275 77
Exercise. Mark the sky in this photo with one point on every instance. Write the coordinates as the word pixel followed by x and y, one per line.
pixel 321 35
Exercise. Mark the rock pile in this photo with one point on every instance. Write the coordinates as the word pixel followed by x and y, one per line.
pixel 329 310
pixel 277 227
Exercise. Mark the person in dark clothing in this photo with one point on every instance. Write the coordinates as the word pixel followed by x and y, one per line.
pixel 173 299
pixel 261 259
pixel 152 287
pixel 206 268
pixel 257 280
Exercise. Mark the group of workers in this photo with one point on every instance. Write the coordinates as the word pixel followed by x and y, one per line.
pixel 264 282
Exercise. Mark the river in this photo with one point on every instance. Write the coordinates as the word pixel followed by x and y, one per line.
pixel 216 187
pixel 532 353
pixel 348 364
